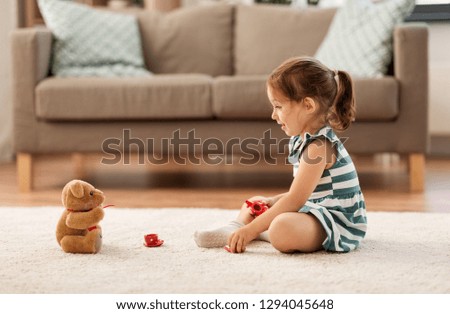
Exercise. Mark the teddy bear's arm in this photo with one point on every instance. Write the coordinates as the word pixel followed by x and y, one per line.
pixel 84 220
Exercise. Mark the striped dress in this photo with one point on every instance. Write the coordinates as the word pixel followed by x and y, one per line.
pixel 337 201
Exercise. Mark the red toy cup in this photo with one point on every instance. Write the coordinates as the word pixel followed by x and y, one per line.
pixel 257 207
pixel 152 240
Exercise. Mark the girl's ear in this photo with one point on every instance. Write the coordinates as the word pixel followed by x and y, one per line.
pixel 310 105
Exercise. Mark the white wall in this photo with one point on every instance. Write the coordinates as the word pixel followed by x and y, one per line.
pixel 8 21
pixel 439 53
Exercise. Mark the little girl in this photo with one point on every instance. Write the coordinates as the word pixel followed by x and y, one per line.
pixel 324 207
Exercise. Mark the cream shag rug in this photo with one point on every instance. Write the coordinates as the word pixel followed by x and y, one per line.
pixel 402 253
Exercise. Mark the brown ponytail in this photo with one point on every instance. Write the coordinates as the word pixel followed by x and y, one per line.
pixel 342 111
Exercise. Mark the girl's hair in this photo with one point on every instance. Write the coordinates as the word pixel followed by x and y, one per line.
pixel 302 77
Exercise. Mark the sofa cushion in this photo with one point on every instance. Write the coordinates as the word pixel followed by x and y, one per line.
pixel 188 40
pixel 241 97
pixel 244 97
pixel 360 37
pixel 181 96
pixel 90 42
pixel 266 35
pixel 377 99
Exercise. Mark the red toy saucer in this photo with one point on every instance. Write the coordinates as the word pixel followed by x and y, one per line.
pixel 157 243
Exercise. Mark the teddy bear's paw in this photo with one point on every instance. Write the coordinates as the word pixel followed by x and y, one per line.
pixel 98 243
pixel 94 240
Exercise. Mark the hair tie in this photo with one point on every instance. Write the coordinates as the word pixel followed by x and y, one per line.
pixel 336 77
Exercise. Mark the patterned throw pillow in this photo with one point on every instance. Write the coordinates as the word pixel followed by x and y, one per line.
pixel 360 37
pixel 90 42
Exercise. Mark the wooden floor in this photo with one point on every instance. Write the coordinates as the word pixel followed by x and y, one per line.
pixel 383 179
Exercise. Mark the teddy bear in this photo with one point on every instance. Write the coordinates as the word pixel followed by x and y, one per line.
pixel 78 230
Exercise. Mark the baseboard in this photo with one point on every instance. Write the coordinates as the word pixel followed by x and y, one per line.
pixel 440 145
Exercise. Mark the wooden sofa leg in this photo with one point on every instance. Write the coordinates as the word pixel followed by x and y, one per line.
pixel 24 164
pixel 416 172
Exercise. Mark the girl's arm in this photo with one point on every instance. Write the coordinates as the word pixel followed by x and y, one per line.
pixel 276 198
pixel 311 167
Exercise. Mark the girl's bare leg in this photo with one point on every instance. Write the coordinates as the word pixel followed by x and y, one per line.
pixel 296 232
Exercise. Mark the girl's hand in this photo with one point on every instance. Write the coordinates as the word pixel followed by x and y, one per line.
pixel 267 200
pixel 237 241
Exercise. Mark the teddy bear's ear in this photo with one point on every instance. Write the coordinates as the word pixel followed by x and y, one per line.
pixel 77 189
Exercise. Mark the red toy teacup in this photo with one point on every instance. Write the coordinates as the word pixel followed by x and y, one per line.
pixel 256 207
pixel 152 240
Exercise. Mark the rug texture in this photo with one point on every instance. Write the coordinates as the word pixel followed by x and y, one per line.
pixel 402 253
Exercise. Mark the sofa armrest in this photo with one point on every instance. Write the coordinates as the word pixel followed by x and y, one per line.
pixel 411 71
pixel 30 53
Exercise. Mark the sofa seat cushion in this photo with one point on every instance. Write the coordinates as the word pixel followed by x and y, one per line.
pixel 182 96
pixel 244 97
pixel 377 99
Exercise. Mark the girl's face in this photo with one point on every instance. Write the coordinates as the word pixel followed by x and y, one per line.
pixel 294 117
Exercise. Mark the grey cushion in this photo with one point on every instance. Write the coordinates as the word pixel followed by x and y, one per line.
pixel 241 97
pixel 183 96
pixel 244 97
pixel 266 35
pixel 189 40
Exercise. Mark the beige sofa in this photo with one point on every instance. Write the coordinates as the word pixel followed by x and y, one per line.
pixel 210 65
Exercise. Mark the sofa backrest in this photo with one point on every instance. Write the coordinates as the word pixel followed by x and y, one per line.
pixel 230 40
pixel 188 40
pixel 266 35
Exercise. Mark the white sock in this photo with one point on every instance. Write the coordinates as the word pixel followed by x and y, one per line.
pixel 216 237
pixel 264 236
